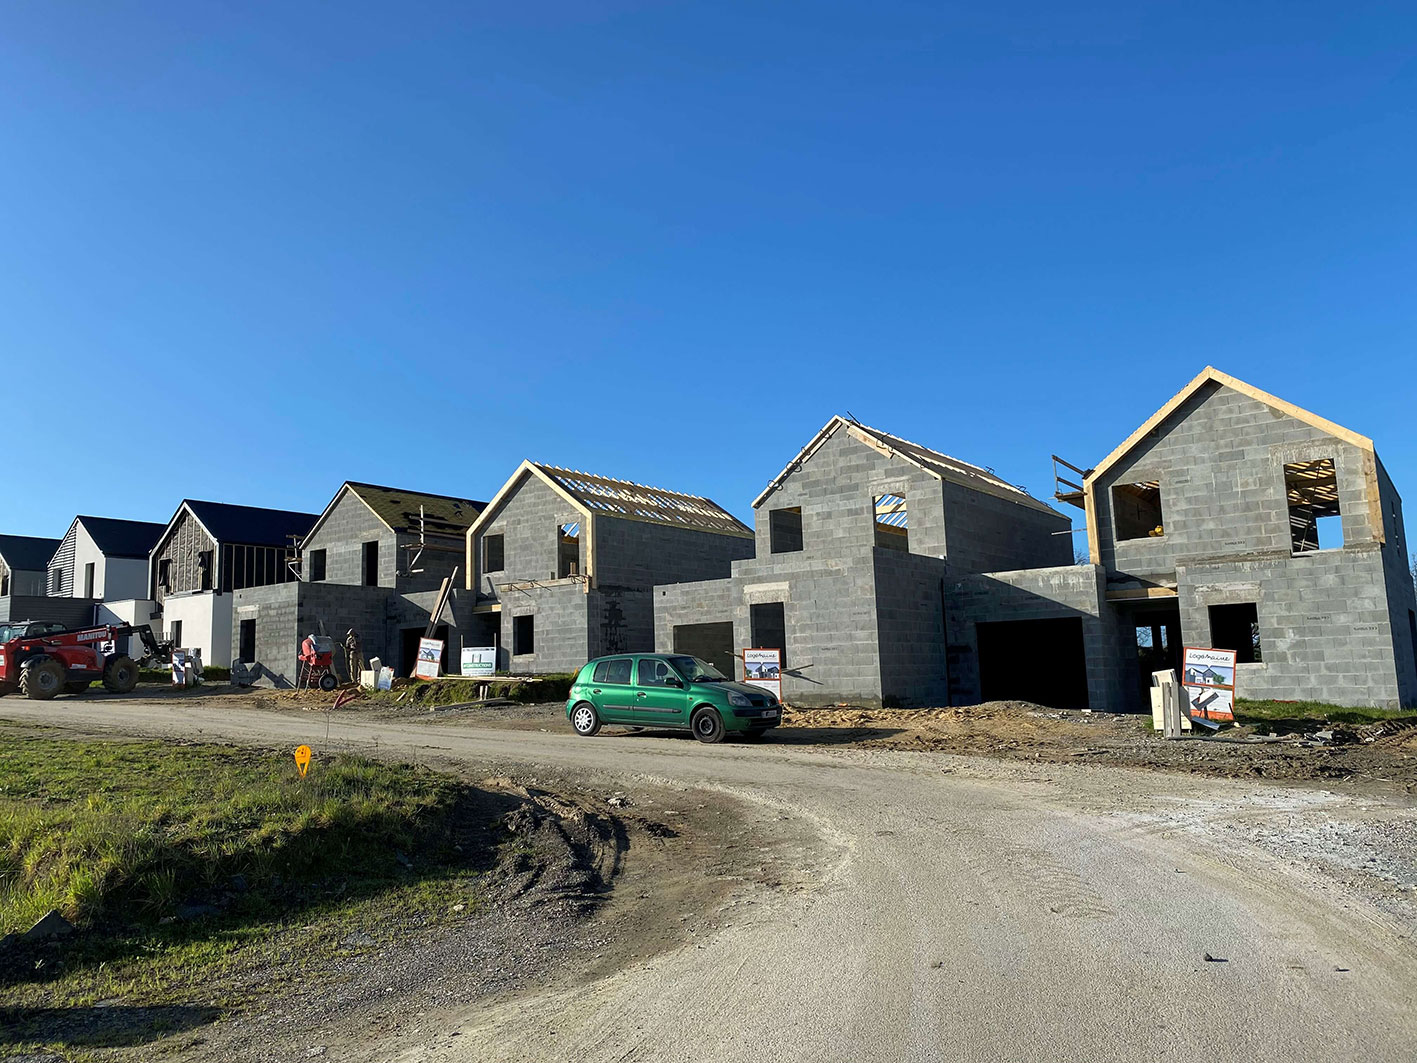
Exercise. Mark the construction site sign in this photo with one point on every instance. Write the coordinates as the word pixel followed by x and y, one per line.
pixel 430 659
pixel 763 668
pixel 479 660
pixel 1208 676
pixel 302 759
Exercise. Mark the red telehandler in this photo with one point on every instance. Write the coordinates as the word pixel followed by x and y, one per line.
pixel 41 659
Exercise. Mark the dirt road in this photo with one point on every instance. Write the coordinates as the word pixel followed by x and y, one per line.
pixel 959 908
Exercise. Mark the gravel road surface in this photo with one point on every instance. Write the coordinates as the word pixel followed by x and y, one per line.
pixel 958 909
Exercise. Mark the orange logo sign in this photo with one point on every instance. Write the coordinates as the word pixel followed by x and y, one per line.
pixel 302 760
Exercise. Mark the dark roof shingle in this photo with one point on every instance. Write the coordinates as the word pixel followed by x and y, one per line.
pixel 122 538
pixel 251 525
pixel 27 553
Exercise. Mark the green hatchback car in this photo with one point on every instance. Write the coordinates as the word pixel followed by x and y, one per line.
pixel 668 690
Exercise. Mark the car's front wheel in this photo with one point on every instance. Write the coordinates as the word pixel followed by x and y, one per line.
pixel 707 725
pixel 585 719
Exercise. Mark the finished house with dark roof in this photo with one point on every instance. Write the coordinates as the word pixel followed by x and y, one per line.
pixel 207 551
pixel 103 558
pixel 24 564
pixel 374 561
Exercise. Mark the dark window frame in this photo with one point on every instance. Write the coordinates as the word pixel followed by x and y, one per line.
pixel 524 635
pixel 319 565
pixel 602 672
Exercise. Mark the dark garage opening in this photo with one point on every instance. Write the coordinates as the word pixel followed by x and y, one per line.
pixel 1041 661
pixel 708 642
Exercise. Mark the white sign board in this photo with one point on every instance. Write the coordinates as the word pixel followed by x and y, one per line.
pixel 479 660
pixel 763 668
pixel 1208 677
pixel 430 659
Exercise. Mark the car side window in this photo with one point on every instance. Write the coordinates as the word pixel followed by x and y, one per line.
pixel 654 673
pixel 616 671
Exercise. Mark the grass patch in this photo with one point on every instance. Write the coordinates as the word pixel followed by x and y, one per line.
pixel 1285 716
pixel 187 865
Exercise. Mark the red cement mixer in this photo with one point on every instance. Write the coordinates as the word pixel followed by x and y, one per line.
pixel 317 662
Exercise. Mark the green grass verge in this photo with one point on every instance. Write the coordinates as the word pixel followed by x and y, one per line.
pixel 1311 715
pixel 186 865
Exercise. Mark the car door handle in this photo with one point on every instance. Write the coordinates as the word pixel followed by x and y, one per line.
pixel 595 690
pixel 640 694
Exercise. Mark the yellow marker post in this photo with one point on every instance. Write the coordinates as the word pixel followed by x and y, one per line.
pixel 302 759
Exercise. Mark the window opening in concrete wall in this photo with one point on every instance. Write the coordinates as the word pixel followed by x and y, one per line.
pixel 768 623
pixel 371 563
pixel 1237 627
pixel 246 650
pixel 1041 661
pixel 708 642
pixel 523 634
pixel 493 558
pixel 1315 521
pixel 1136 510
pixel 317 566
pixel 568 550
pixel 174 632
pixel 204 567
pixel 88 579
pixel 785 530
pixel 164 574
pixel 892 523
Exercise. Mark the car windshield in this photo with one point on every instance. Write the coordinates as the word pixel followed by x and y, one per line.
pixel 697 671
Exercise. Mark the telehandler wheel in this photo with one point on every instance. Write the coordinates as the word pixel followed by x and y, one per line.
pixel 42 681
pixel 120 675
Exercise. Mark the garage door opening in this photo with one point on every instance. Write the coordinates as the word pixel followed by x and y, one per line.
pixel 1040 661
pixel 708 642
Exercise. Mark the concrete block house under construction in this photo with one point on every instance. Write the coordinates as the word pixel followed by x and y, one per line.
pixel 856 540
pixel 1232 519
pixel 563 563
pixel 373 561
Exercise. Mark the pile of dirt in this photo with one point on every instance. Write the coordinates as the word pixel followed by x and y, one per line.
pixel 1382 756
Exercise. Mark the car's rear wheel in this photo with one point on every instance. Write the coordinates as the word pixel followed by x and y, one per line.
pixel 585 719
pixel 707 725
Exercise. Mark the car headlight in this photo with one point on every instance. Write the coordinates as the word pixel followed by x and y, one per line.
pixel 740 700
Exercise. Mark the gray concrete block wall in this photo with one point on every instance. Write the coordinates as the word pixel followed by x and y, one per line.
pixel 1325 626
pixel 1071 591
pixel 342 536
pixel 529 521
pixel 641 554
pixel 835 489
pixel 562 613
pixel 829 607
pixel 986 533
pixel 1220 461
pixel 1401 595
pixel 619 621
pixel 705 602
pixel 285 613
pixel 910 626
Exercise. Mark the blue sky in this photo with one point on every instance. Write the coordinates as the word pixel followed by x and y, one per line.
pixel 248 251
